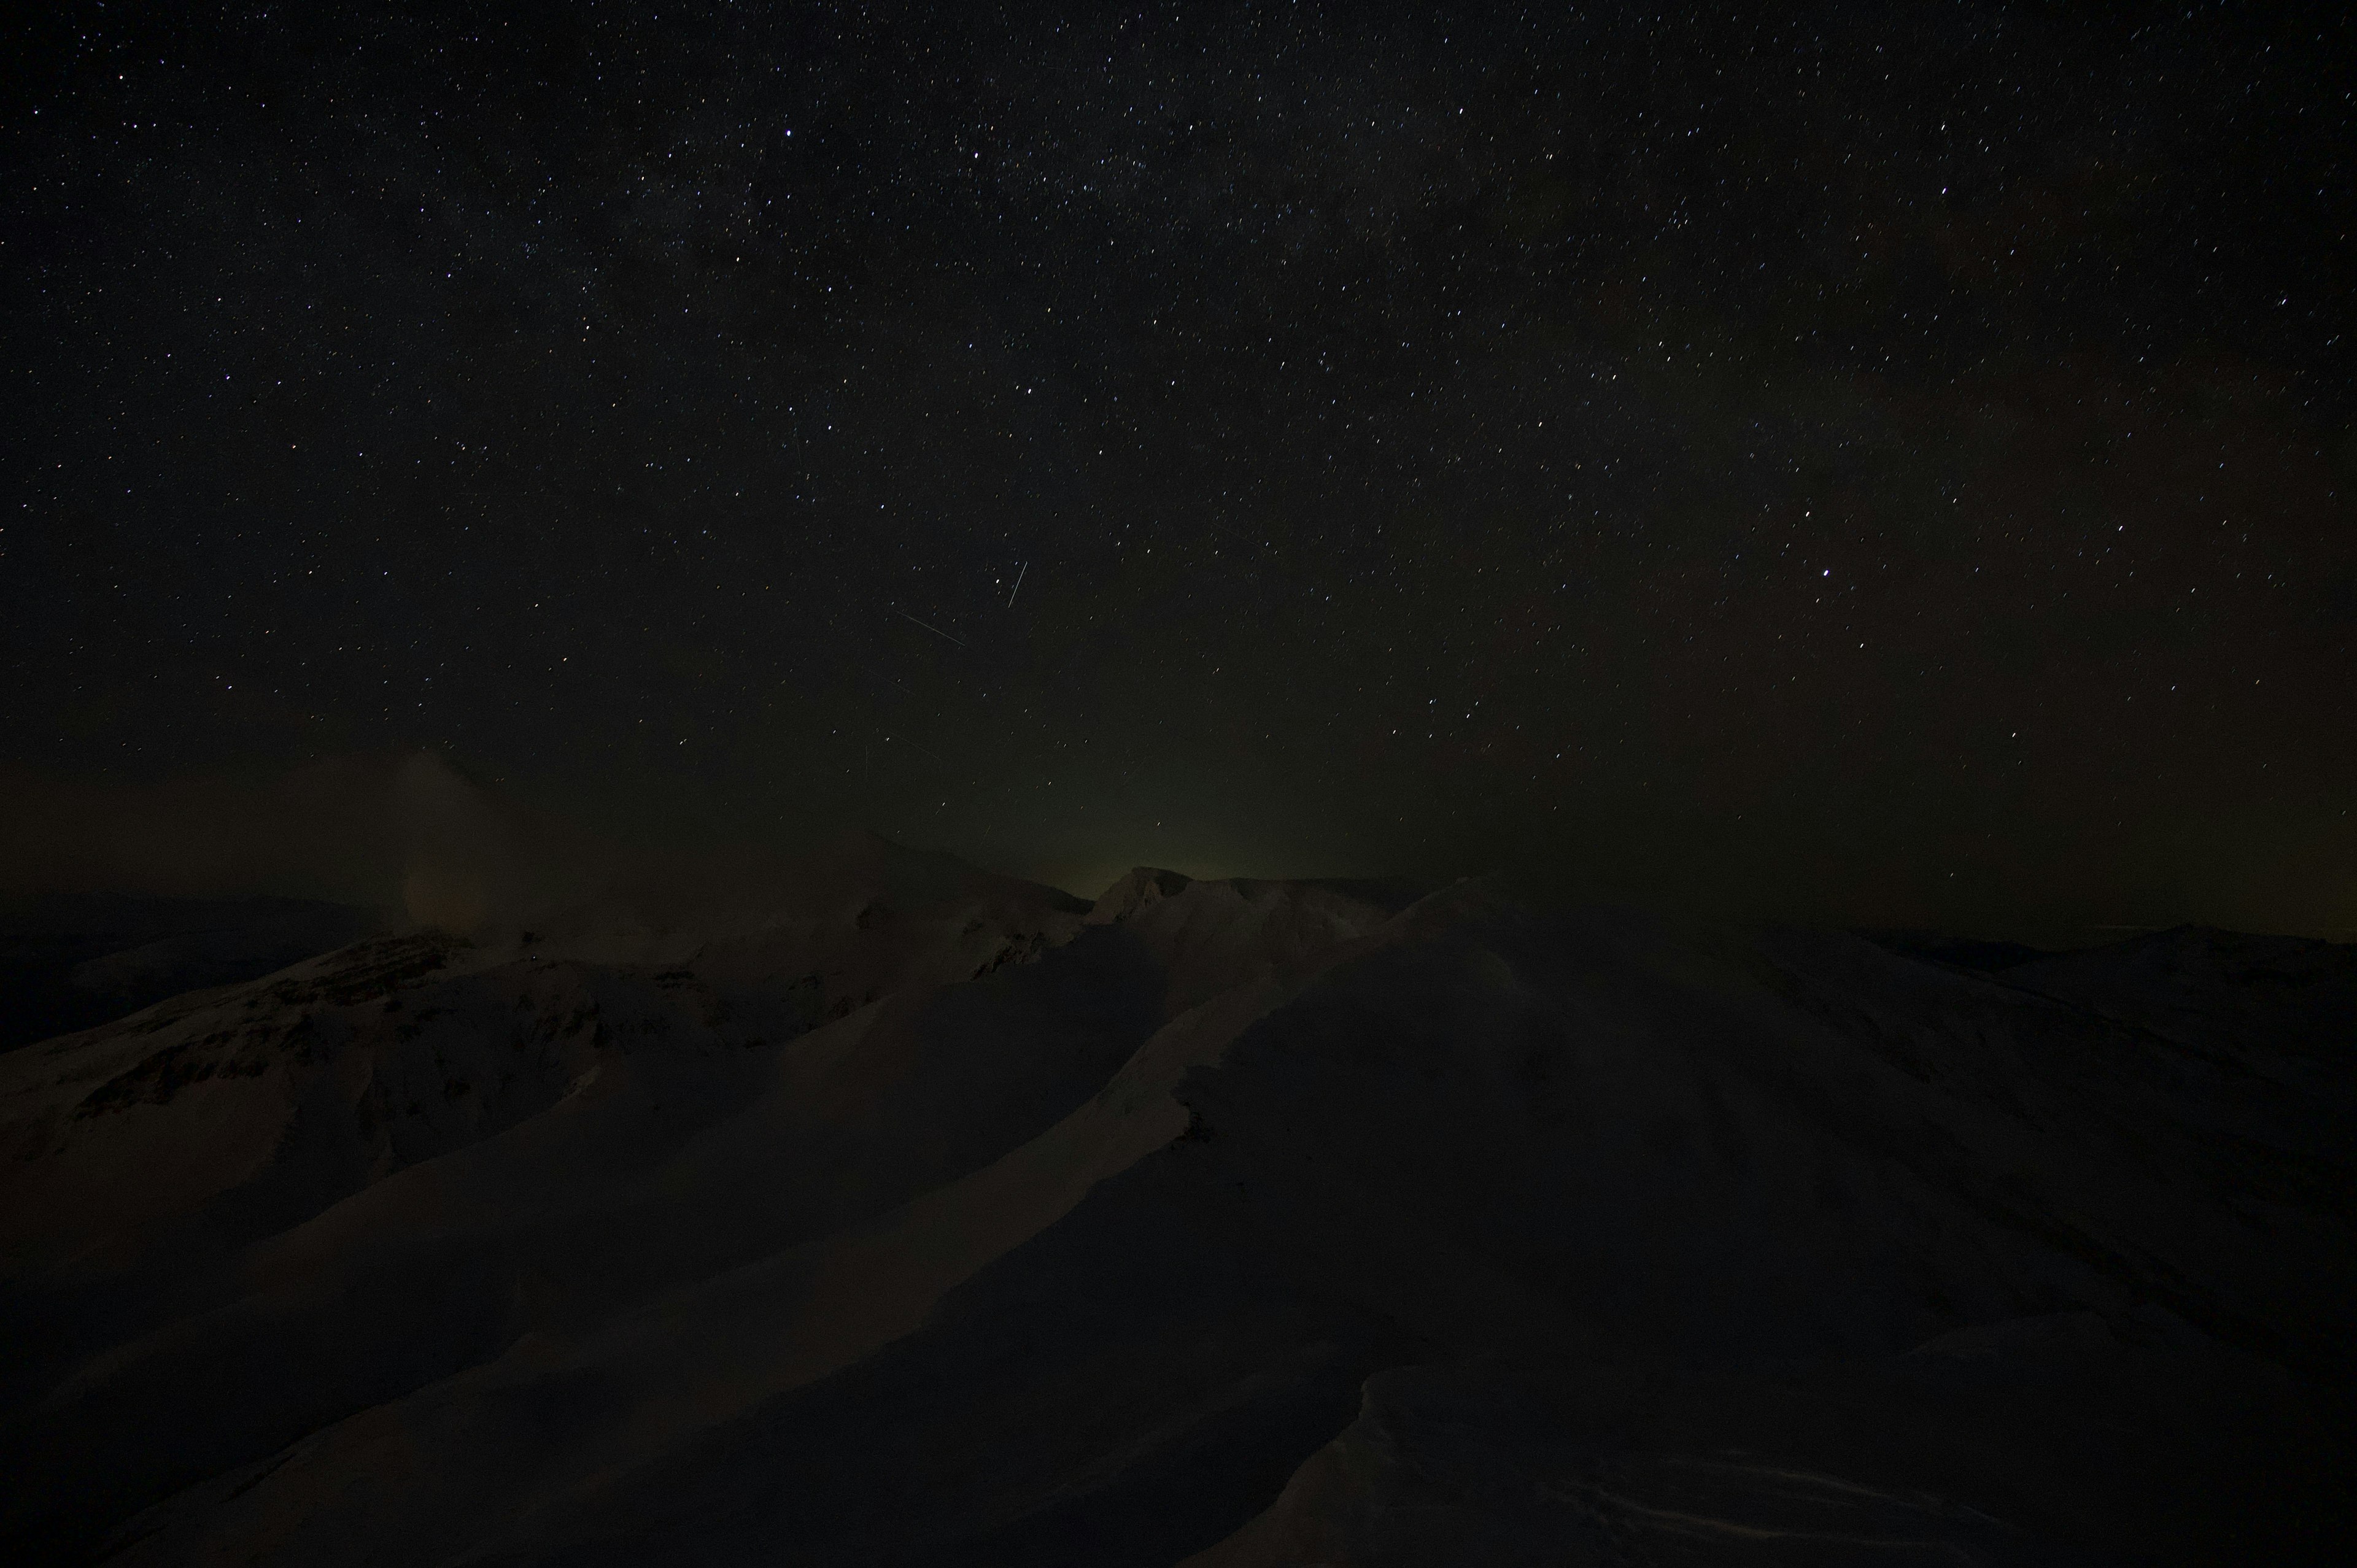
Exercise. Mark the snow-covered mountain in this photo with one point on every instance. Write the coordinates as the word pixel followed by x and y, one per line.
pixel 900 1213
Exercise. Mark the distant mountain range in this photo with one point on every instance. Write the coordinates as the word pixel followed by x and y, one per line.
pixel 69 961
pixel 901 1213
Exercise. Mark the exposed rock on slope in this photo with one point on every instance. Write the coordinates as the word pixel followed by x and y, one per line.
pixel 913 1215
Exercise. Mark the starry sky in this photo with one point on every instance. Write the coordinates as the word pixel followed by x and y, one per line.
pixel 1879 462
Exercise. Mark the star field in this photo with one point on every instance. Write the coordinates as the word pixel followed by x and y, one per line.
pixel 1886 461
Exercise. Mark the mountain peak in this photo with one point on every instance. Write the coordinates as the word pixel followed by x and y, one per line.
pixel 1141 887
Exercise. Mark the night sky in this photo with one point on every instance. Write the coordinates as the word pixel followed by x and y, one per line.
pixel 1885 463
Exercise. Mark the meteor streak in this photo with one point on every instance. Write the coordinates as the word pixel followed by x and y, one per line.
pixel 937 631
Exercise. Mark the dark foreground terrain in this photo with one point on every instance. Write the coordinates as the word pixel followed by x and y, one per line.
pixel 913 1215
